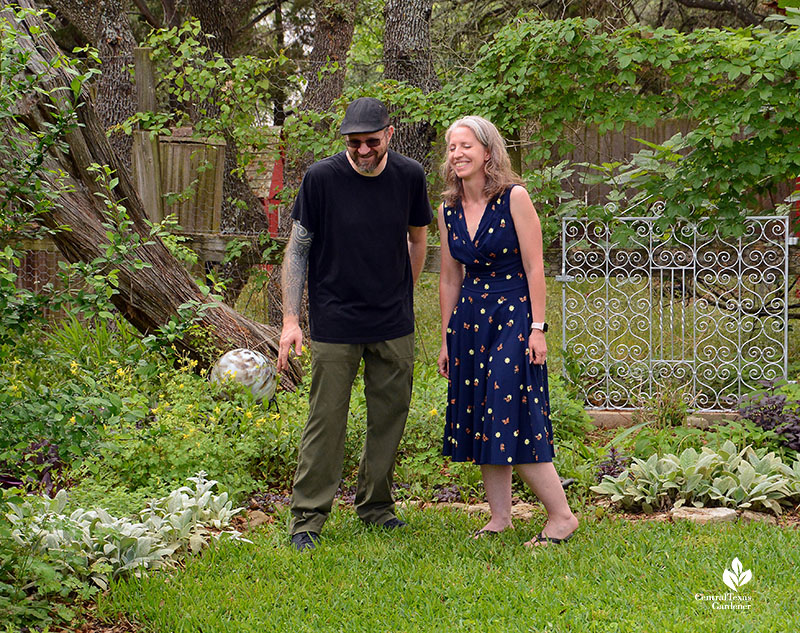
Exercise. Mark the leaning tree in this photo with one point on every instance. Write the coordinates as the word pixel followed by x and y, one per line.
pixel 150 296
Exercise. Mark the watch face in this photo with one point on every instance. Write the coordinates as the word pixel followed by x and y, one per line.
pixel 544 328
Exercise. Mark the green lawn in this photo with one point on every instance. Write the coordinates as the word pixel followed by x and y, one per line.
pixel 613 576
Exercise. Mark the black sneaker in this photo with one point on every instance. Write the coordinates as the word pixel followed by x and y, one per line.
pixel 393 524
pixel 304 540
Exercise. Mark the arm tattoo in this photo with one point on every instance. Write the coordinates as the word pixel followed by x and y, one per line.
pixel 295 263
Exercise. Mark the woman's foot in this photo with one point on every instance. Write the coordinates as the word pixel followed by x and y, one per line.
pixel 555 532
pixel 491 529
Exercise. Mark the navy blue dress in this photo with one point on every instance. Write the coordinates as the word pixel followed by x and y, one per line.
pixel 498 406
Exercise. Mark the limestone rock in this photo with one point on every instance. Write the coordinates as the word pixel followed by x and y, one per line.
pixel 256 518
pixel 407 504
pixel 522 511
pixel 704 515
pixel 748 515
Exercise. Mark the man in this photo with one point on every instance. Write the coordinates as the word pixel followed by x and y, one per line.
pixel 360 223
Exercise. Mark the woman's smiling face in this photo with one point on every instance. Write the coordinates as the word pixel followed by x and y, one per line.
pixel 465 153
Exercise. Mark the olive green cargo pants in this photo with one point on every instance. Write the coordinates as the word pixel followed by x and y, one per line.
pixel 388 372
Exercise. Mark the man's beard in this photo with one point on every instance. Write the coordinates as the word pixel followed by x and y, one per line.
pixel 370 162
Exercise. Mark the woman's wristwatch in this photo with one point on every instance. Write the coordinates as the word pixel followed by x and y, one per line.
pixel 539 326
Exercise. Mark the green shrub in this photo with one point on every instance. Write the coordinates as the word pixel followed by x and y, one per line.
pixel 727 477
pixel 747 433
pixel 649 440
pixel 52 417
pixel 667 408
pixel 190 426
pixel 567 413
pixel 48 556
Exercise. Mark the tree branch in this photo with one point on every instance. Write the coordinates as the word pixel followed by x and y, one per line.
pixel 259 17
pixel 737 8
pixel 147 14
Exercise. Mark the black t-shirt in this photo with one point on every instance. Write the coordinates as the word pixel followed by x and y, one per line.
pixel 359 273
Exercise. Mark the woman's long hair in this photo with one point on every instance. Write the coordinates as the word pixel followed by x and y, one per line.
pixel 499 174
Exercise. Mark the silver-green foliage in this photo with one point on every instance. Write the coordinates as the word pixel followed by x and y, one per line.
pixel 98 546
pixel 726 477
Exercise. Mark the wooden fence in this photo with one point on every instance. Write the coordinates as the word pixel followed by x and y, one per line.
pixel 595 148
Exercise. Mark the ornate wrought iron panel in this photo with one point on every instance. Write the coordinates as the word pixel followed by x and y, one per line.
pixel 683 308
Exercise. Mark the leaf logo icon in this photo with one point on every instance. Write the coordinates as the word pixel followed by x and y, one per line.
pixel 735 577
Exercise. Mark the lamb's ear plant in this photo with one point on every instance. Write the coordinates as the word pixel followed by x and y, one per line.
pixel 94 546
pixel 727 477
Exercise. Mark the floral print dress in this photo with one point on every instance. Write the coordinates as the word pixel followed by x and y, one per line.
pixel 498 408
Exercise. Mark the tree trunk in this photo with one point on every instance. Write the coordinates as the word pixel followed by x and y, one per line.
pixel 149 297
pixel 333 34
pixel 242 211
pixel 407 57
pixel 105 25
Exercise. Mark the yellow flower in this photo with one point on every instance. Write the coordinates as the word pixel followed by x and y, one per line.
pixel 433 412
pixel 72 420
pixel 73 367
pixel 276 416
pixel 248 414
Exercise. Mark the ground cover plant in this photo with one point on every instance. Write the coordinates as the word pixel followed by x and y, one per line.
pixel 775 409
pixel 75 555
pixel 614 576
pixel 726 477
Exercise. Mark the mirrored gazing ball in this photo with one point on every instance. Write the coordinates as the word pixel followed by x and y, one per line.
pixel 249 368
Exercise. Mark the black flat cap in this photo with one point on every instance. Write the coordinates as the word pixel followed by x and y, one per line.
pixel 364 115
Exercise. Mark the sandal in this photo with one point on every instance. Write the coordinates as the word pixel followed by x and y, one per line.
pixel 484 533
pixel 541 539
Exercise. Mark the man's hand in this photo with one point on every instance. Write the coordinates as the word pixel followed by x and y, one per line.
pixel 291 335
pixel 293 277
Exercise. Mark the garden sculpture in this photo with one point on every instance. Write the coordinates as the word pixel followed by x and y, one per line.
pixel 249 368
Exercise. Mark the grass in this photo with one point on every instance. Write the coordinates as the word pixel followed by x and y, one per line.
pixel 613 576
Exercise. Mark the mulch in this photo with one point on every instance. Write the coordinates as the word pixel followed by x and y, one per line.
pixel 90 623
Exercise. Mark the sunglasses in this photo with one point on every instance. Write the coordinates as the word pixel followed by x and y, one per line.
pixel 372 143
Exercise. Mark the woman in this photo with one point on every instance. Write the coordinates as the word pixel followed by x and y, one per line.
pixel 492 299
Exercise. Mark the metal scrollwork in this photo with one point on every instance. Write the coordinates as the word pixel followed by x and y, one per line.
pixel 682 307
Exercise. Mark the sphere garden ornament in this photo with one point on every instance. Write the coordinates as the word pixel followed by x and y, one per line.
pixel 251 369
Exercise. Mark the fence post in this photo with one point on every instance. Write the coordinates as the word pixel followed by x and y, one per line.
pixel 146 159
